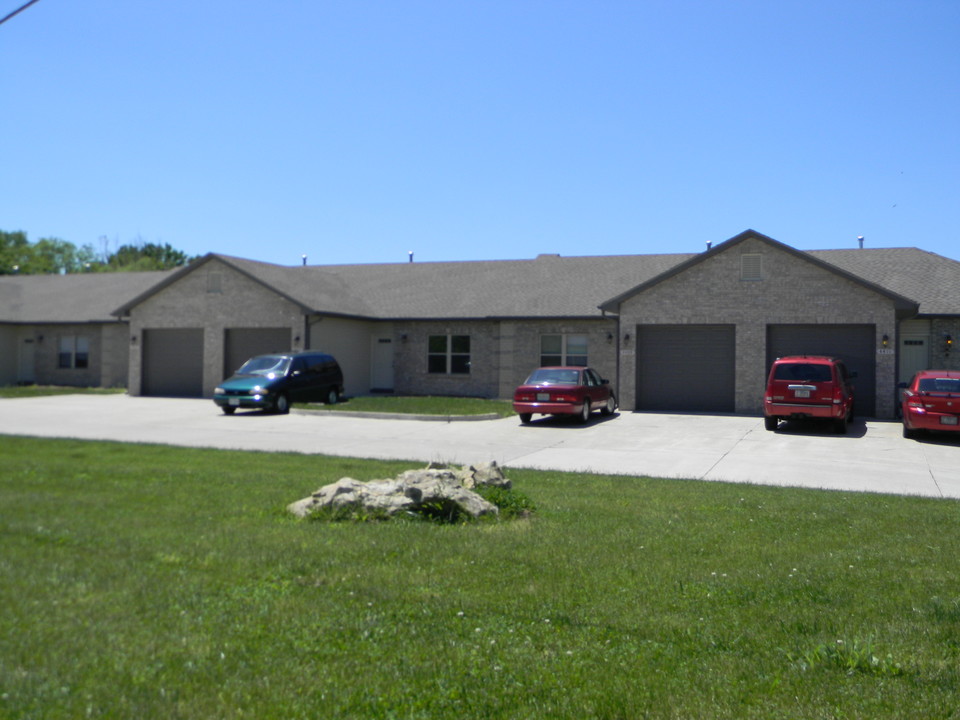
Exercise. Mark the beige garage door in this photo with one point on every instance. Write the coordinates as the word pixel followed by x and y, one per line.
pixel 173 362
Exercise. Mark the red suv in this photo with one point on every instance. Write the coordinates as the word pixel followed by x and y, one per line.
pixel 808 386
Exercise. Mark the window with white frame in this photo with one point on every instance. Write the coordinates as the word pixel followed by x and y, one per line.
pixel 448 354
pixel 73 352
pixel 563 349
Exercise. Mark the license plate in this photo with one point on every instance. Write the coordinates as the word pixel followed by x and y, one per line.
pixel 234 401
pixel 543 397
pixel 801 393
pixel 948 420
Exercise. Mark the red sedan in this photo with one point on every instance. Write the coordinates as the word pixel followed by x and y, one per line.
pixel 931 402
pixel 564 391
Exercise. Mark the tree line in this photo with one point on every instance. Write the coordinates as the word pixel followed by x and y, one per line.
pixel 52 256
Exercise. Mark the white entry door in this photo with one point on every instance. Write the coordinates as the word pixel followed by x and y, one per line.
pixel 914 355
pixel 381 365
pixel 27 368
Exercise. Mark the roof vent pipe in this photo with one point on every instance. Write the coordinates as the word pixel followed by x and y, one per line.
pixel 860 240
pixel 709 244
pixel 411 255
pixel 304 258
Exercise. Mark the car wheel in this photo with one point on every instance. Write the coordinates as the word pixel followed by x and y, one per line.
pixel 526 417
pixel 585 412
pixel 910 434
pixel 228 410
pixel 281 405
pixel 610 406
pixel 770 423
pixel 332 396
pixel 840 426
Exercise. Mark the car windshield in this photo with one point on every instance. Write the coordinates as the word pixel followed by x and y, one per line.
pixel 802 372
pixel 554 376
pixel 940 385
pixel 265 365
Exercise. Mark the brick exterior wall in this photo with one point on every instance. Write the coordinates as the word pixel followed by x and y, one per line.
pixel 940 357
pixel 792 291
pixel 213 297
pixel 502 354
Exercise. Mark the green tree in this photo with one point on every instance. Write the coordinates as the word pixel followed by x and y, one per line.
pixel 53 256
pixel 14 251
pixel 146 256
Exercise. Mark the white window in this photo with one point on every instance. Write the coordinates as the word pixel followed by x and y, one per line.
pixel 563 350
pixel 448 354
pixel 74 352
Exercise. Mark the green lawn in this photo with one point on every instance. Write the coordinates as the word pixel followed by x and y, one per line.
pixel 25 391
pixel 421 405
pixel 155 582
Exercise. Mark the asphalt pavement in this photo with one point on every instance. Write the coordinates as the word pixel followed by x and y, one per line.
pixel 872 457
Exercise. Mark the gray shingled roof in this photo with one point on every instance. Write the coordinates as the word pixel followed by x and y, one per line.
pixel 548 286
pixel 74 298
pixel 930 279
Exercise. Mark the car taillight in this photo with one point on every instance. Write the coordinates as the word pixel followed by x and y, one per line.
pixel 837 396
pixel 565 398
pixel 521 397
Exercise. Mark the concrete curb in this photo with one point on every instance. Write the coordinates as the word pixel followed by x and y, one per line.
pixel 400 416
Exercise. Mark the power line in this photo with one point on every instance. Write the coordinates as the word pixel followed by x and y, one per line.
pixel 18 10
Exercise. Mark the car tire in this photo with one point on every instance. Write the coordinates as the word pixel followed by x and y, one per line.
pixel 840 426
pixel 910 434
pixel 332 396
pixel 609 408
pixel 770 423
pixel 584 416
pixel 228 410
pixel 526 417
pixel 281 405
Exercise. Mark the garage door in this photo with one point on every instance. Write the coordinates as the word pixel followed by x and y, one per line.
pixel 241 344
pixel 689 368
pixel 173 362
pixel 854 344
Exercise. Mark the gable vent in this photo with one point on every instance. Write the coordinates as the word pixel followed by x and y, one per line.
pixel 751 267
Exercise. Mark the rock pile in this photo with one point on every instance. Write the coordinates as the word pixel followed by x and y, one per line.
pixel 436 488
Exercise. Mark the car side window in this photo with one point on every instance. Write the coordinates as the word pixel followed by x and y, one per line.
pixel 591 378
pixel 298 365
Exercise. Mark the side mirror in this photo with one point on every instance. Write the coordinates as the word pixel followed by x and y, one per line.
pixel 604 381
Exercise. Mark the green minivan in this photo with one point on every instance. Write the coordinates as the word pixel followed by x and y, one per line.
pixel 272 382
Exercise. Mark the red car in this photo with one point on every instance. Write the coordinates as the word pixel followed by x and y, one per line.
pixel 808 386
pixel 931 402
pixel 563 391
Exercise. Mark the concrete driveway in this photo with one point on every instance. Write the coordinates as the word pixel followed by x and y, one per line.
pixel 872 457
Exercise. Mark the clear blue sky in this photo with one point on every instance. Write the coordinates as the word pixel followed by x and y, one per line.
pixel 355 131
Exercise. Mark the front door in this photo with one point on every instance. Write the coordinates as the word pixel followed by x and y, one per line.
pixel 381 364
pixel 27 369
pixel 914 355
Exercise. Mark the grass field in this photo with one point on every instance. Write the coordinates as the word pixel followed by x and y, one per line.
pixel 423 405
pixel 155 582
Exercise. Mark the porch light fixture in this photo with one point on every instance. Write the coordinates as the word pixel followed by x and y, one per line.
pixel 133 339
pixel 403 338
pixel 609 337
pixel 947 343
pixel 886 340
pixel 626 338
